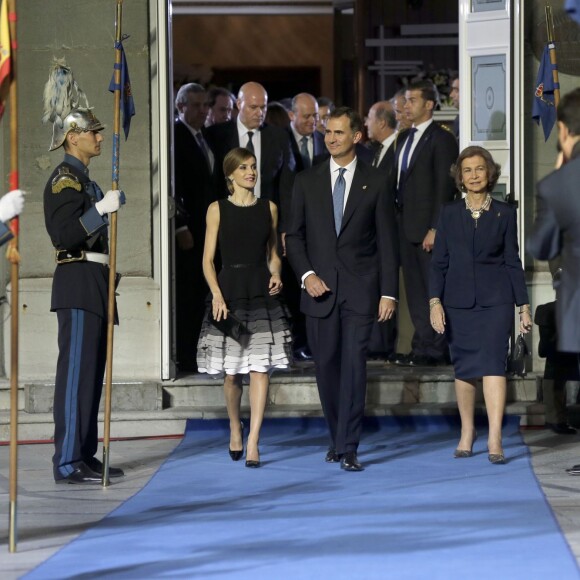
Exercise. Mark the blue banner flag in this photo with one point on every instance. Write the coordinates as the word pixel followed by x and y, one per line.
pixel 544 107
pixel 127 103
pixel 573 9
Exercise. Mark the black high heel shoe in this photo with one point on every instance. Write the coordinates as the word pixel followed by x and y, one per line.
pixel 252 462
pixel 237 455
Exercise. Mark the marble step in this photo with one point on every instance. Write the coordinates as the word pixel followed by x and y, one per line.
pixel 386 386
pixel 35 427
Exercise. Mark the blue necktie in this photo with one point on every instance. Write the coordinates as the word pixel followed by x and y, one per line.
pixel 405 164
pixel 338 199
pixel 304 152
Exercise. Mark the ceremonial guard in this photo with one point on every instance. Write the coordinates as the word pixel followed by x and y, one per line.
pixel 75 211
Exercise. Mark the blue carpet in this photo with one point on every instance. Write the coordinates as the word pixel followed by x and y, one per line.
pixel 415 512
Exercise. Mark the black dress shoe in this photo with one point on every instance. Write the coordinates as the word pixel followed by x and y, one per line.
pixel 82 474
pixel 332 456
pixel 561 428
pixel 97 466
pixel 350 462
pixel 400 359
pixel 302 354
pixel 420 360
pixel 253 464
pixel 574 470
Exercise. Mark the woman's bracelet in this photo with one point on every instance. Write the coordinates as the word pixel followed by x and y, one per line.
pixel 525 308
pixel 275 274
pixel 433 302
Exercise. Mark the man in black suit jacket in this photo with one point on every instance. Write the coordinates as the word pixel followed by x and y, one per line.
pixel 308 149
pixel 556 230
pixel 270 144
pixel 340 245
pixel 422 183
pixel 303 133
pixel 193 166
pixel 381 124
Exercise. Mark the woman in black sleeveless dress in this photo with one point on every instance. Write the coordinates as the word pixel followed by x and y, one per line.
pixel 248 286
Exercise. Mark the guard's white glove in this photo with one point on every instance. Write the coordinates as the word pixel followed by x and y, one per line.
pixel 110 203
pixel 11 204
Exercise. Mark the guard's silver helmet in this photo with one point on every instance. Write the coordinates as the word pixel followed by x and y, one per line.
pixel 77 120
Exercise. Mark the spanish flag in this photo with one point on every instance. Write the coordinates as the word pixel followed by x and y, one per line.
pixel 4 55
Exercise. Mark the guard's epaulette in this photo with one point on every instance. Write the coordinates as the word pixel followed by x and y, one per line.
pixel 447 128
pixel 64 179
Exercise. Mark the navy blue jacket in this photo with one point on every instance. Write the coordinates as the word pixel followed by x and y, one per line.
pixel 488 271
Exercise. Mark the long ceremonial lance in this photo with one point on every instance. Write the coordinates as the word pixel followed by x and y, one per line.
pixel 552 49
pixel 14 259
pixel 112 249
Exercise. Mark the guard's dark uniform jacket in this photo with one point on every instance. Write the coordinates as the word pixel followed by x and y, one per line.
pixel 79 297
pixel 75 225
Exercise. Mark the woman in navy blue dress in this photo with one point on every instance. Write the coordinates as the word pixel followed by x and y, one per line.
pixel 476 278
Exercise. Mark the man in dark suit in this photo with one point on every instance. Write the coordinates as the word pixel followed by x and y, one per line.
pixel 308 149
pixel 193 166
pixel 340 245
pixel 398 102
pixel 221 105
pixel 421 183
pixel 556 229
pixel 381 124
pixel 270 145
pixel 307 143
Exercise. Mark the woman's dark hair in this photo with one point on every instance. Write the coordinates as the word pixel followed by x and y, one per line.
pixel 493 168
pixel 233 160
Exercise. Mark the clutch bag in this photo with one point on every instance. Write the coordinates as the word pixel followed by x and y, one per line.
pixel 231 326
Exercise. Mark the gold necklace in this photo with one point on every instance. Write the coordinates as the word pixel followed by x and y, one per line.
pixel 232 200
pixel 477 213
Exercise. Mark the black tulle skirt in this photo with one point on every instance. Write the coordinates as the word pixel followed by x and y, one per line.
pixel 268 345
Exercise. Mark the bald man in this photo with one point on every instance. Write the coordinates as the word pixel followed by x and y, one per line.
pixel 381 124
pixel 271 145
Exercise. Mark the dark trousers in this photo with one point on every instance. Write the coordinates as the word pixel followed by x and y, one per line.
pixel 292 293
pixel 191 292
pixel 339 345
pixel 416 263
pixel 560 368
pixel 384 337
pixel 82 345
